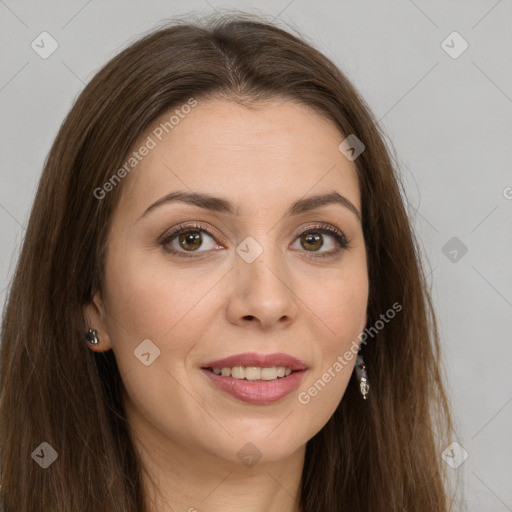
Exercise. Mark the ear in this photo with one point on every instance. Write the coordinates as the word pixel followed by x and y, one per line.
pixel 94 315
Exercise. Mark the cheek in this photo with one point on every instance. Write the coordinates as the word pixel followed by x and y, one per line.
pixel 147 300
pixel 150 297
pixel 340 318
pixel 337 314
pixel 337 303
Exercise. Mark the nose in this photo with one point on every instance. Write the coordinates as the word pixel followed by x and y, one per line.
pixel 262 293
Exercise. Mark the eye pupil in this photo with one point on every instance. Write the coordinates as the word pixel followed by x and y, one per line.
pixel 314 239
pixel 190 237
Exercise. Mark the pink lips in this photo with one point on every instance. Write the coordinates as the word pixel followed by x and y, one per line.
pixel 258 391
pixel 262 360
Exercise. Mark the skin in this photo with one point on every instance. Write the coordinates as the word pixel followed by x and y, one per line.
pixel 195 310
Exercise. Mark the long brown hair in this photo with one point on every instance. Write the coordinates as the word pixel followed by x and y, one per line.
pixel 379 454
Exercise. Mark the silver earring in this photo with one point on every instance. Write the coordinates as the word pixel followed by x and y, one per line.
pixel 92 336
pixel 364 387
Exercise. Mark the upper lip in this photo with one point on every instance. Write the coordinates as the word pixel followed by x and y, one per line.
pixel 261 360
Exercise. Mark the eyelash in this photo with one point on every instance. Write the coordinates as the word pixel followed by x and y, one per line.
pixel 339 236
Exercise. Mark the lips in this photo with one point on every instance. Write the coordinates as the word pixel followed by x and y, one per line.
pixel 260 360
pixel 257 392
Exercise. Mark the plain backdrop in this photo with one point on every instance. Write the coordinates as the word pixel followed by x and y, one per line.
pixel 447 115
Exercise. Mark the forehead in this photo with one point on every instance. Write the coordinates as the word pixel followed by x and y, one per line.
pixel 261 154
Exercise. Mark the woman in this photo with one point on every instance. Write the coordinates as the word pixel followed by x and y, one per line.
pixel 219 303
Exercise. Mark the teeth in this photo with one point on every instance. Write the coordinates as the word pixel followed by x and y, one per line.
pixel 253 372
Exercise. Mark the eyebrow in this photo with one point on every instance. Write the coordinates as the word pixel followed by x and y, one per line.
pixel 221 205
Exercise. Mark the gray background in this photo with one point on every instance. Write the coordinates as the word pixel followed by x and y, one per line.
pixel 449 120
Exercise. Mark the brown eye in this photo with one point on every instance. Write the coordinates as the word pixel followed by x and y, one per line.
pixel 190 240
pixel 331 240
pixel 311 241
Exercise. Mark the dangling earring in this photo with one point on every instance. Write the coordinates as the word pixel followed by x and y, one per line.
pixel 92 336
pixel 364 387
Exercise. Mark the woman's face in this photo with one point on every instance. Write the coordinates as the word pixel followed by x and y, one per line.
pixel 272 276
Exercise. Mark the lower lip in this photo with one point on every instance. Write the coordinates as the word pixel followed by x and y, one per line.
pixel 257 392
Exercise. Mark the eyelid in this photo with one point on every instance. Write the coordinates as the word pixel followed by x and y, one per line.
pixel 340 237
pixel 190 226
pixel 326 228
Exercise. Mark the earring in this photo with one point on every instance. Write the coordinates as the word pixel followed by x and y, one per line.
pixel 92 336
pixel 364 387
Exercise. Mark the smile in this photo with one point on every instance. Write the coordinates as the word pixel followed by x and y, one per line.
pixel 253 372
